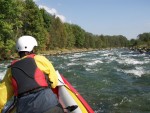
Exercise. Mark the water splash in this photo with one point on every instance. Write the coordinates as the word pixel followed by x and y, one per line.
pixel 2 74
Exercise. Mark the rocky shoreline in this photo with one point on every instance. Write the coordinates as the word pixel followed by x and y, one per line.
pixel 66 51
pixel 141 50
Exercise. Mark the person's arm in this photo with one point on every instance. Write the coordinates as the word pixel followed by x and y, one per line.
pixel 46 66
pixel 6 89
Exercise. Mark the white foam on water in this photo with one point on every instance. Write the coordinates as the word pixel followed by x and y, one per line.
pixel 77 55
pixel 2 74
pixel 88 69
pixel 3 70
pixel 138 71
pixel 91 69
pixel 71 64
pixel 73 59
pixel 106 54
pixel 130 61
pixel 94 62
pixel 110 59
pixel 3 65
pixel 147 60
pixel 124 100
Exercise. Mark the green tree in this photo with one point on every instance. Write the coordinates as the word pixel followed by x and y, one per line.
pixel 145 37
pixel 33 23
pixel 47 18
pixel 10 24
pixel 98 42
pixel 88 37
pixel 69 36
pixel 79 34
pixel 58 34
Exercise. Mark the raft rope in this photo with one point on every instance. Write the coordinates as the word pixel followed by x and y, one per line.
pixel 67 87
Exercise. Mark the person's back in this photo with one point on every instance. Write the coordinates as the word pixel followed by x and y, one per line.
pixel 30 76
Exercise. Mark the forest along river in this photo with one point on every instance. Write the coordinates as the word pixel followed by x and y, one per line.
pixel 111 81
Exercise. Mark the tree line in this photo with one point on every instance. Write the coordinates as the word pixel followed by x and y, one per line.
pixel 24 17
pixel 142 41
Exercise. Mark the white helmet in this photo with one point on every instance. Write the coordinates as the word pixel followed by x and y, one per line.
pixel 26 43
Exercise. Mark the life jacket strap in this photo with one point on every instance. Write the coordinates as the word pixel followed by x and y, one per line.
pixel 31 91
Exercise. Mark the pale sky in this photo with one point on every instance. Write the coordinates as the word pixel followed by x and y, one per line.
pixel 108 17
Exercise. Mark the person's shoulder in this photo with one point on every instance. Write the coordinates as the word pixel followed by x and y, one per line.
pixel 40 57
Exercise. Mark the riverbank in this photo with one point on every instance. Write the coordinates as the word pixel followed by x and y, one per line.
pixel 141 50
pixel 51 52
pixel 66 51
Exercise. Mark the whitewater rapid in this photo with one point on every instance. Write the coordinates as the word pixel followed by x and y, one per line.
pixel 116 80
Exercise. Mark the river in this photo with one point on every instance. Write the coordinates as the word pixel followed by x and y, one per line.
pixel 111 81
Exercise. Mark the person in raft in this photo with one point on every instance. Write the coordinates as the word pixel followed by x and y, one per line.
pixel 27 80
